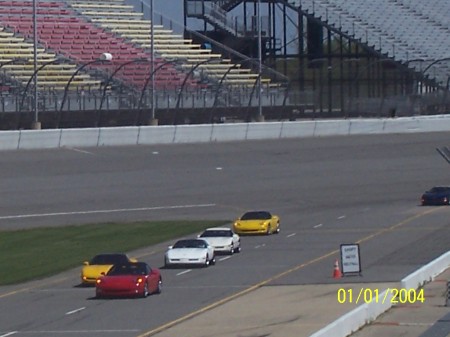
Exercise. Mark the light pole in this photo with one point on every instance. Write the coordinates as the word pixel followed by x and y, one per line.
pixel 211 60
pixel 260 115
pixel 103 57
pixel 33 76
pixel 153 120
pixel 16 61
pixel 150 77
pixel 234 66
pixel 113 74
pixel 370 64
pixel 355 79
pixel 433 63
pixel 35 124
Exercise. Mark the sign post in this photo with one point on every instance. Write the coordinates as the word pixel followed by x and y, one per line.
pixel 351 259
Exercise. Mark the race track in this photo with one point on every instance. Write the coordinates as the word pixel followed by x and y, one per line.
pixel 327 191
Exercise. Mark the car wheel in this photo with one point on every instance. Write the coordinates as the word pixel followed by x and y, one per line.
pixel 159 287
pixel 238 249
pixel 278 228
pixel 232 249
pixel 213 260
pixel 269 230
pixel 166 264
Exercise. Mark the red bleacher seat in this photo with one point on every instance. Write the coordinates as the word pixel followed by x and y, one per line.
pixel 60 29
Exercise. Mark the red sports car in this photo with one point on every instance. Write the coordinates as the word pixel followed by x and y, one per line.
pixel 130 279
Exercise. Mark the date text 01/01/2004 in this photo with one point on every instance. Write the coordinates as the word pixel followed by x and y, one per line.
pixel 368 295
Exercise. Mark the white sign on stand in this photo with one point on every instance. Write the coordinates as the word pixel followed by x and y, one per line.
pixel 350 258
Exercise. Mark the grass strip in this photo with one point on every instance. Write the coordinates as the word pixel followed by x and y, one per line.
pixel 40 252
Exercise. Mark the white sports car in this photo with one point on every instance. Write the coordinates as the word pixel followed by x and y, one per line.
pixel 222 239
pixel 190 252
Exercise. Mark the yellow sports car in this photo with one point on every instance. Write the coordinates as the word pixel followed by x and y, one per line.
pixel 257 222
pixel 100 264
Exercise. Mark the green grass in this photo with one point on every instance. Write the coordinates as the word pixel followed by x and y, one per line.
pixel 35 253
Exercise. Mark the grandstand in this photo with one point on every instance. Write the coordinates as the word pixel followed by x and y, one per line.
pixel 327 58
pixel 71 37
pixel 343 51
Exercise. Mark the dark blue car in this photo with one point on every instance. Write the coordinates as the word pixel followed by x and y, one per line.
pixel 439 195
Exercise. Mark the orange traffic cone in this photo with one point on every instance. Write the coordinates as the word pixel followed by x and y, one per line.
pixel 337 271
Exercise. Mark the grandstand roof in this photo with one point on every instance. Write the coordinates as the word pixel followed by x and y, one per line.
pixel 416 32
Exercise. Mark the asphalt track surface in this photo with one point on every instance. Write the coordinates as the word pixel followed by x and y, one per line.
pixel 327 191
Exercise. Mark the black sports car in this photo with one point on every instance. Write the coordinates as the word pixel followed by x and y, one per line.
pixel 439 195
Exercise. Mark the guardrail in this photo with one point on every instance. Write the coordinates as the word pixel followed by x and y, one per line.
pixel 148 135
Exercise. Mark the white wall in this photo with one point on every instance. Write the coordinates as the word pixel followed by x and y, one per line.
pixel 146 135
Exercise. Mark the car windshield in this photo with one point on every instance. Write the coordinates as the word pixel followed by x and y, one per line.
pixel 216 233
pixel 440 189
pixel 109 259
pixel 190 244
pixel 128 269
pixel 256 216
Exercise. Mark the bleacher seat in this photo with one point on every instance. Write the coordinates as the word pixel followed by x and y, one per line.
pixel 55 75
pixel 119 18
pixel 402 29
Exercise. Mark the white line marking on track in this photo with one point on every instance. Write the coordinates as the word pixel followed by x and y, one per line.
pixel 155 208
pixel 184 272
pixel 77 150
pixel 224 258
pixel 317 226
pixel 9 333
pixel 155 152
pixel 75 311
pixel 341 217
pixel 88 332
pixel 290 235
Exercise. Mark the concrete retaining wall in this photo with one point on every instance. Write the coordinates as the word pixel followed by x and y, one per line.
pixel 145 135
pixel 427 273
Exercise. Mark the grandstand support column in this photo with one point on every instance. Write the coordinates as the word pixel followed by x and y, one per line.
pixel 341 77
pixel 315 64
pixel 330 73
pixel 352 63
pixel 301 51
